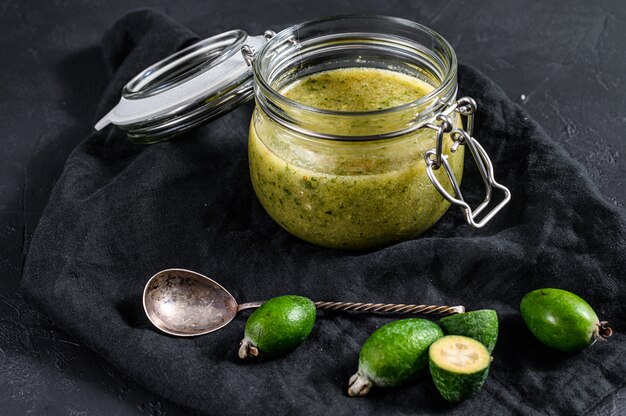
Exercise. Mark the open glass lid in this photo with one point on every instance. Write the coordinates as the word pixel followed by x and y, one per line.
pixel 191 87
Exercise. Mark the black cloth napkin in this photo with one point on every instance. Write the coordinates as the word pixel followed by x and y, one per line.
pixel 121 212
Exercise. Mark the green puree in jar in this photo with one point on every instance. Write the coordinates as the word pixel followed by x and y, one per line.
pixel 356 89
pixel 352 195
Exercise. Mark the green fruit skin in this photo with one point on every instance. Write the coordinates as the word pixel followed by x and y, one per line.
pixel 559 319
pixel 281 324
pixel 481 325
pixel 396 352
pixel 455 387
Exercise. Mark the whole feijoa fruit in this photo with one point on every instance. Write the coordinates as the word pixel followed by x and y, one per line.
pixel 562 320
pixel 394 354
pixel 277 326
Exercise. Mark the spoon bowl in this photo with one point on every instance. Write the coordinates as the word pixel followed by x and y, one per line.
pixel 185 303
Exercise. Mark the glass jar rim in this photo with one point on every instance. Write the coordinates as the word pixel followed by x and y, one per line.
pixel 285 34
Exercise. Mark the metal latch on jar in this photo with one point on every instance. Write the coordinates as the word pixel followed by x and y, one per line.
pixel 435 159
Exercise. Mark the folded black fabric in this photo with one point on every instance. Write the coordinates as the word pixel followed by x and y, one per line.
pixel 121 212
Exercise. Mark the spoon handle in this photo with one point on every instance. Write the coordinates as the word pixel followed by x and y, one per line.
pixel 390 308
pixel 400 308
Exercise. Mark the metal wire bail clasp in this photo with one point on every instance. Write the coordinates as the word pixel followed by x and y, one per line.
pixel 435 158
pixel 249 53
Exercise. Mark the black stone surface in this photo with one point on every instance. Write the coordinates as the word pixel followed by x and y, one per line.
pixel 564 63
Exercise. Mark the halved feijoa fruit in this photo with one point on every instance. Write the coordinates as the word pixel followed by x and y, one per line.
pixel 459 366
pixel 481 325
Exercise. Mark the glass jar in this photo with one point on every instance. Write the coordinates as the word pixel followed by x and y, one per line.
pixel 351 180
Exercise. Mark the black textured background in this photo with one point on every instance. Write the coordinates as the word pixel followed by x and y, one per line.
pixel 567 61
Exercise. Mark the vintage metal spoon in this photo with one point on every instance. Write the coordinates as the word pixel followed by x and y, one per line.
pixel 185 303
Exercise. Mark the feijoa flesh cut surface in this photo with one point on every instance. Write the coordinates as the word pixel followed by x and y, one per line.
pixel 394 354
pixel 481 325
pixel 277 326
pixel 459 366
pixel 562 320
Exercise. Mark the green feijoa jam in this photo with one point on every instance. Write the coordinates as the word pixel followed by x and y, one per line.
pixel 394 354
pixel 562 320
pixel 349 194
pixel 481 325
pixel 277 326
pixel 459 366
pixel 356 89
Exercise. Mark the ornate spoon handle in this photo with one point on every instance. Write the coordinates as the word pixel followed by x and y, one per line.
pixel 400 308
pixel 390 308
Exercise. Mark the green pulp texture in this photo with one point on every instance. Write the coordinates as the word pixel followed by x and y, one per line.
pixel 396 352
pixel 481 325
pixel 559 319
pixel 356 89
pixel 281 324
pixel 349 195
